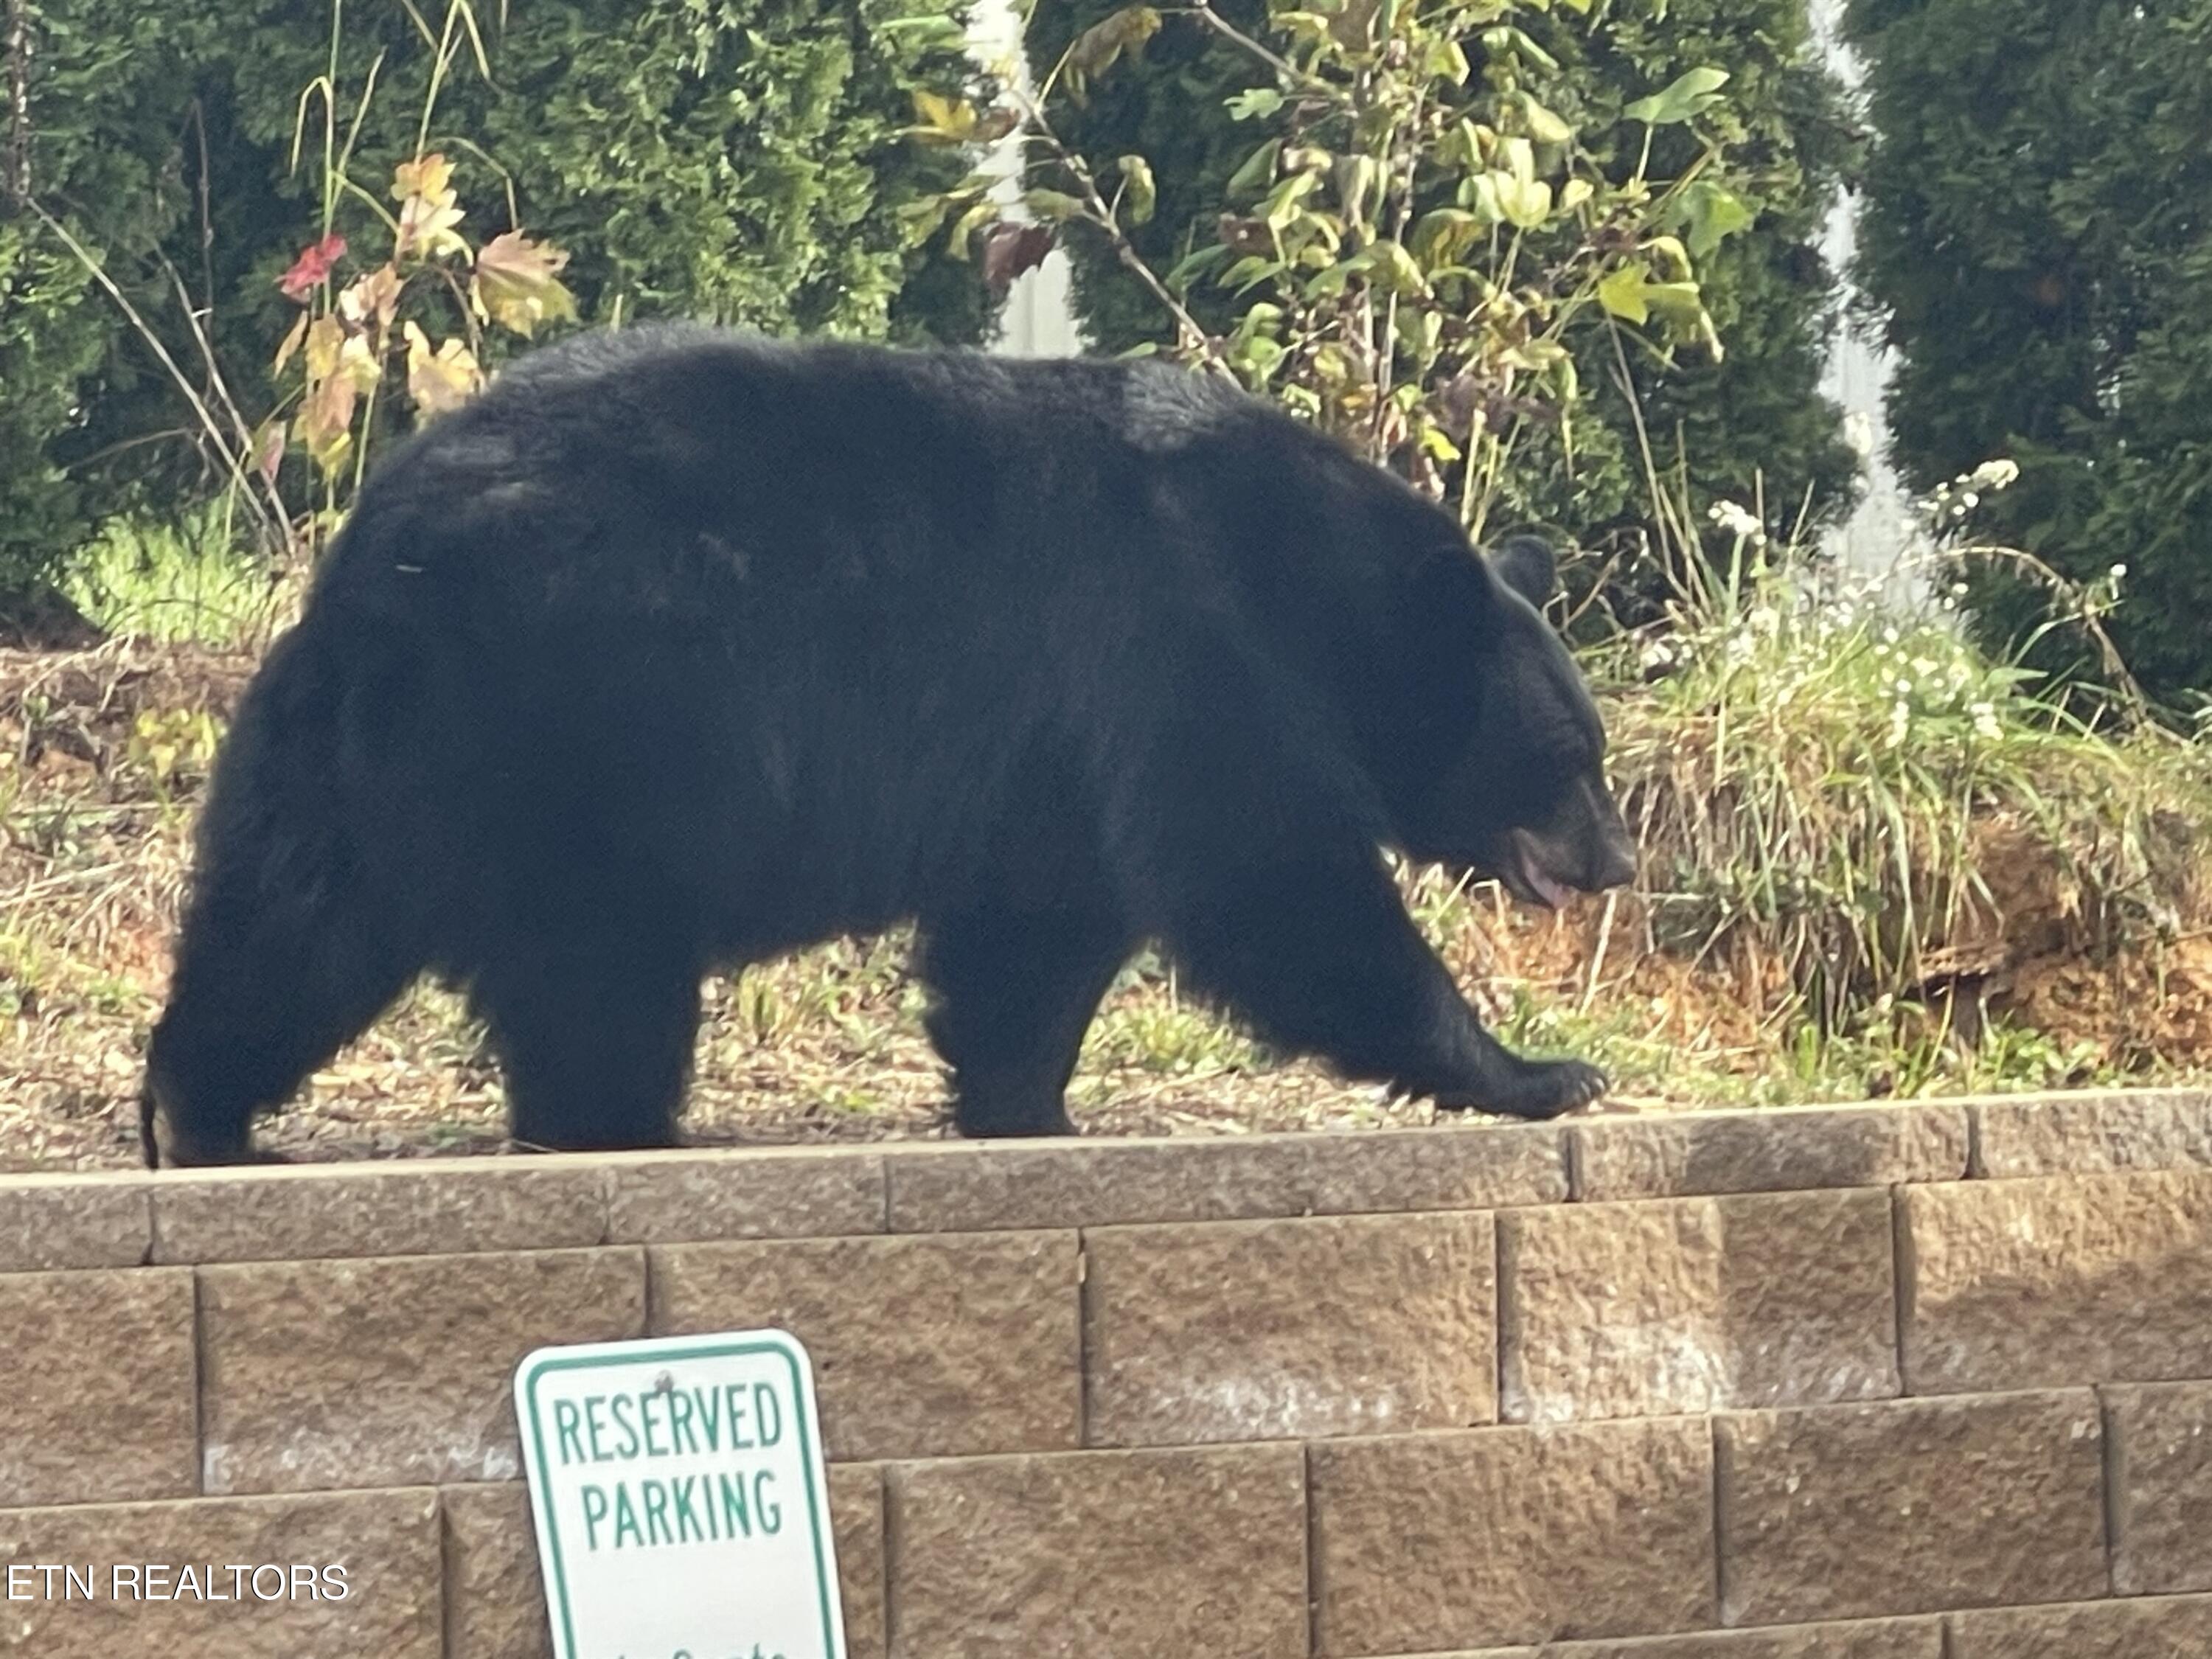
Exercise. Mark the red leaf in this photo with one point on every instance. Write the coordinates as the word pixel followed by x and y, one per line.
pixel 1009 250
pixel 312 268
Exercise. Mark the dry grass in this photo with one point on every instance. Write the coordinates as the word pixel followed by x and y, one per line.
pixel 103 753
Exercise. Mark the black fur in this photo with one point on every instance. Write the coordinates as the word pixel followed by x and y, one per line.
pixel 679 649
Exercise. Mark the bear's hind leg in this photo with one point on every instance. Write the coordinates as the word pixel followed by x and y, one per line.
pixel 594 1032
pixel 1015 991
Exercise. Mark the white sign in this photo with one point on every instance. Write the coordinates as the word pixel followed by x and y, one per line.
pixel 682 1510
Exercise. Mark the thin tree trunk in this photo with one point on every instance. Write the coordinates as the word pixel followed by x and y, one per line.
pixel 15 177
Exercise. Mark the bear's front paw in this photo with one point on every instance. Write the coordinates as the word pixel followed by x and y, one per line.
pixel 1534 1089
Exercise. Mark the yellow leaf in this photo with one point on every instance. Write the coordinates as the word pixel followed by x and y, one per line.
pixel 325 337
pixel 357 362
pixel 428 176
pixel 375 295
pixel 441 379
pixel 516 284
pixel 949 118
pixel 292 344
pixel 426 227
pixel 326 421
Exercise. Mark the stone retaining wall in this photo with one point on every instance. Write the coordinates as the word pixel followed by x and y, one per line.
pixel 1930 1381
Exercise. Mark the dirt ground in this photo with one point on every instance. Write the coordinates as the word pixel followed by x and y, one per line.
pixel 103 753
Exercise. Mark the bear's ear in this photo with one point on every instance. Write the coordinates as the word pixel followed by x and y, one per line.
pixel 1526 565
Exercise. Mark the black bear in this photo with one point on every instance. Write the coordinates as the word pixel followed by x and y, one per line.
pixel 678 648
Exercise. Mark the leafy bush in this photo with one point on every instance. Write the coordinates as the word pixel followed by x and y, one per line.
pixel 1856 807
pixel 1774 143
pixel 2037 230
pixel 744 161
pixel 107 117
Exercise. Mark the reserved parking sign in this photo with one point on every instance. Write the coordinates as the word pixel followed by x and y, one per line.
pixel 681 1505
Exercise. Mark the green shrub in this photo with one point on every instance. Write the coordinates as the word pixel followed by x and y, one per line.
pixel 108 120
pixel 742 161
pixel 1754 418
pixel 2036 235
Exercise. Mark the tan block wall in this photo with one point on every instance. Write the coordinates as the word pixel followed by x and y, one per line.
pixel 1926 1381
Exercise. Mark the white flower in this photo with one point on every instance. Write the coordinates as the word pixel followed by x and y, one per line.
pixel 1985 721
pixel 1737 521
pixel 1994 475
pixel 2118 571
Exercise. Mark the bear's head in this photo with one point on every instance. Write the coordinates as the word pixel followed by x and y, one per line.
pixel 1510 777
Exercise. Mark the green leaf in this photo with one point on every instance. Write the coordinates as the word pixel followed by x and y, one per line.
pixel 961 241
pixel 1477 194
pixel 1258 103
pixel 1358 183
pixel 1056 205
pixel 1251 269
pixel 1197 263
pixel 1505 38
pixel 1282 206
pixel 1397 269
pixel 1328 283
pixel 1621 293
pixel 1526 202
pixel 1095 51
pixel 1690 95
pixel 1544 126
pixel 1678 302
pixel 1672 257
pixel 1440 236
pixel 1139 194
pixel 1428 334
pixel 1258 167
pixel 1711 213
pixel 1260 353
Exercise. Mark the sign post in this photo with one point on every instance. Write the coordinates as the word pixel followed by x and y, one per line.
pixel 681 1505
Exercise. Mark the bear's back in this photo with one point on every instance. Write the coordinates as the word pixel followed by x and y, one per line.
pixel 652 460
